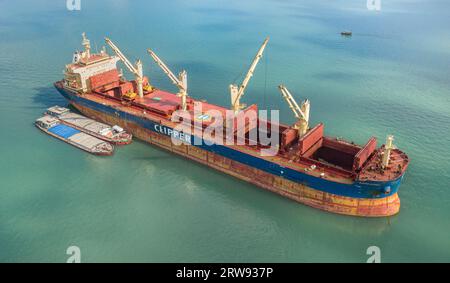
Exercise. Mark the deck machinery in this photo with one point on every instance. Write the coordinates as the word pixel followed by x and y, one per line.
pixel 320 171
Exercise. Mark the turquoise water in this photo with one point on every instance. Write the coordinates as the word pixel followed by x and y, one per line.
pixel 146 205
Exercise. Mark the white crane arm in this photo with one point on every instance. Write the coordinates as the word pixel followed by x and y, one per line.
pixel 250 71
pixel 292 103
pixel 166 70
pixel 122 57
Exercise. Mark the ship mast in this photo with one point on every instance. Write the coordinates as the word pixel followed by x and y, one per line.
pixel 87 46
pixel 300 112
pixel 135 69
pixel 180 81
pixel 238 91
pixel 387 151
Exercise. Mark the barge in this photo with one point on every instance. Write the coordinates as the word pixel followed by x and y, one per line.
pixel 53 127
pixel 115 134
pixel 309 167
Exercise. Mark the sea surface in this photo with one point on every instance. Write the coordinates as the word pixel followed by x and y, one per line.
pixel 146 205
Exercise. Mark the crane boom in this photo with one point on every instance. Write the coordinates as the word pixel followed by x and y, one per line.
pixel 297 115
pixel 136 70
pixel 238 92
pixel 292 103
pixel 166 70
pixel 301 112
pixel 180 81
pixel 122 57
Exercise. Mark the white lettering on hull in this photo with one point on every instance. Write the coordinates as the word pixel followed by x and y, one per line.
pixel 173 133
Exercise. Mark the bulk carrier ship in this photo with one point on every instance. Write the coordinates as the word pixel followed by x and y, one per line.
pixel 320 171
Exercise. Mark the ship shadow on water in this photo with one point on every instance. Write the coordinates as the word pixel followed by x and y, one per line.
pixel 48 96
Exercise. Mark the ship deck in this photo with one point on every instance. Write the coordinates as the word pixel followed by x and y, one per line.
pixel 327 160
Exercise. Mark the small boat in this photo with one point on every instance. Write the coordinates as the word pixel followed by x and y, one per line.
pixel 346 33
pixel 114 134
pixel 53 127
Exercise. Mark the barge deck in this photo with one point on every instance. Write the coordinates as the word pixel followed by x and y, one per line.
pixel 53 127
pixel 114 134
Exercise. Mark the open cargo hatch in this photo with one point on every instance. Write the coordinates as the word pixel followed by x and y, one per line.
pixel 334 152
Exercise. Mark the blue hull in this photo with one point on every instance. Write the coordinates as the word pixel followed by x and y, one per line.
pixel 366 190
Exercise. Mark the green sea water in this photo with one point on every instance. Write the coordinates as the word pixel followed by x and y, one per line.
pixel 147 205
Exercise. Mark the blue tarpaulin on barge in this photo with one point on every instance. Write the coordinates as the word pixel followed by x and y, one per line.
pixel 63 131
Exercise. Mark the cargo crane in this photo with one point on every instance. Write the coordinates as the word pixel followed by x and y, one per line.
pixel 387 151
pixel 136 70
pixel 301 112
pixel 238 91
pixel 180 81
